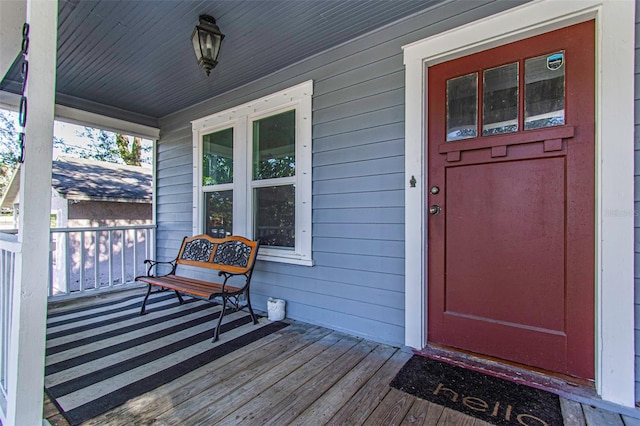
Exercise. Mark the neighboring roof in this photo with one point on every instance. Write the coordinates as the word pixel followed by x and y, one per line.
pixel 81 179
pixel 11 190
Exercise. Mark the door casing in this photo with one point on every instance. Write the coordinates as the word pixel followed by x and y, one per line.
pixel 615 34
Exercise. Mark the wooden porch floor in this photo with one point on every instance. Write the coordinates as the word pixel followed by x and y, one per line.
pixel 302 375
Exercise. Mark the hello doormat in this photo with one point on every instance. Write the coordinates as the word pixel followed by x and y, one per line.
pixel 488 398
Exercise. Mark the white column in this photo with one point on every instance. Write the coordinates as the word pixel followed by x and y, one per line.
pixel 26 359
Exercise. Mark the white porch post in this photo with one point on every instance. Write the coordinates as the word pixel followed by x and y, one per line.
pixel 27 345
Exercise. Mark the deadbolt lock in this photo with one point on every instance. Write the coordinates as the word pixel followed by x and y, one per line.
pixel 434 190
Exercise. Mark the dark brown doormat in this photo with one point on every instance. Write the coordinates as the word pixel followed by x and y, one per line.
pixel 488 398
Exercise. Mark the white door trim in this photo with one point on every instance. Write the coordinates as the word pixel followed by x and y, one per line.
pixel 615 35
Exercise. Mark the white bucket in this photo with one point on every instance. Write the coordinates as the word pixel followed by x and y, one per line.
pixel 275 308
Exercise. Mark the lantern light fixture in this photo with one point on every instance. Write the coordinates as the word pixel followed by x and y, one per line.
pixel 206 39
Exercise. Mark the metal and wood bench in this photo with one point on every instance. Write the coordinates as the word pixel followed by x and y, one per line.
pixel 231 256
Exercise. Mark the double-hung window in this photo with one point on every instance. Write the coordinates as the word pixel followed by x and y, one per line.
pixel 252 174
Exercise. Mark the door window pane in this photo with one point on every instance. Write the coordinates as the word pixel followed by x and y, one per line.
pixel 275 216
pixel 274 146
pixel 544 91
pixel 462 107
pixel 500 100
pixel 217 157
pixel 218 213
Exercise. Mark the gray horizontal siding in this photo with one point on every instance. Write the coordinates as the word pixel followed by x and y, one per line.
pixel 637 202
pixel 360 107
pixel 382 115
pixel 373 199
pixel 174 178
pixel 357 282
pixel 355 215
pixel 390 249
pixel 359 137
pixel 358 184
pixel 349 155
pixel 360 168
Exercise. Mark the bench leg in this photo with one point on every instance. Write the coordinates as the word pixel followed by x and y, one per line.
pixel 179 297
pixel 253 316
pixel 216 331
pixel 144 302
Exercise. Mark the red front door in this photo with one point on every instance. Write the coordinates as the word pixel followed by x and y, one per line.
pixel 511 202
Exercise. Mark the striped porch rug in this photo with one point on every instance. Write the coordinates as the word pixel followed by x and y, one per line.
pixel 99 357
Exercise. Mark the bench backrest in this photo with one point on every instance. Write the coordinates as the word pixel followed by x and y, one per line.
pixel 234 254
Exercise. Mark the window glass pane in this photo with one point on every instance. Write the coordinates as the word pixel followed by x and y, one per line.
pixel 544 91
pixel 218 213
pixel 275 216
pixel 274 146
pixel 217 157
pixel 500 100
pixel 462 107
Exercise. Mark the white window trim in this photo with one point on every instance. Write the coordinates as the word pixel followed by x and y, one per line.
pixel 240 118
pixel 614 281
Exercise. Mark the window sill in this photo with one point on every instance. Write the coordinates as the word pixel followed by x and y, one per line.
pixel 292 259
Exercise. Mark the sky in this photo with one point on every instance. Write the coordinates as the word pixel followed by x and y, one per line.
pixel 69 133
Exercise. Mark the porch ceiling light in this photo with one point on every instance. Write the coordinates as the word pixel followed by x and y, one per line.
pixel 206 39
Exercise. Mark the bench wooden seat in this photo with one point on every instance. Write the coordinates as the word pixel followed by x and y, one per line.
pixel 232 257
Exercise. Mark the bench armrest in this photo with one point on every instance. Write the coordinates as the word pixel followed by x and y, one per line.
pixel 153 263
pixel 228 275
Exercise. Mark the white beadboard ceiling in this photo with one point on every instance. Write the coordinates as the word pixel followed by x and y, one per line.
pixel 135 56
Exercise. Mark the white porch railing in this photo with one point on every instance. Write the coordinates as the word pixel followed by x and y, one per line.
pixel 100 258
pixel 81 260
pixel 9 246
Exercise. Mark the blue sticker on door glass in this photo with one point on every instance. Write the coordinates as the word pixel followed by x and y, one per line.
pixel 555 61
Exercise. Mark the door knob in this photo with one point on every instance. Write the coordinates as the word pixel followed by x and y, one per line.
pixel 434 209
